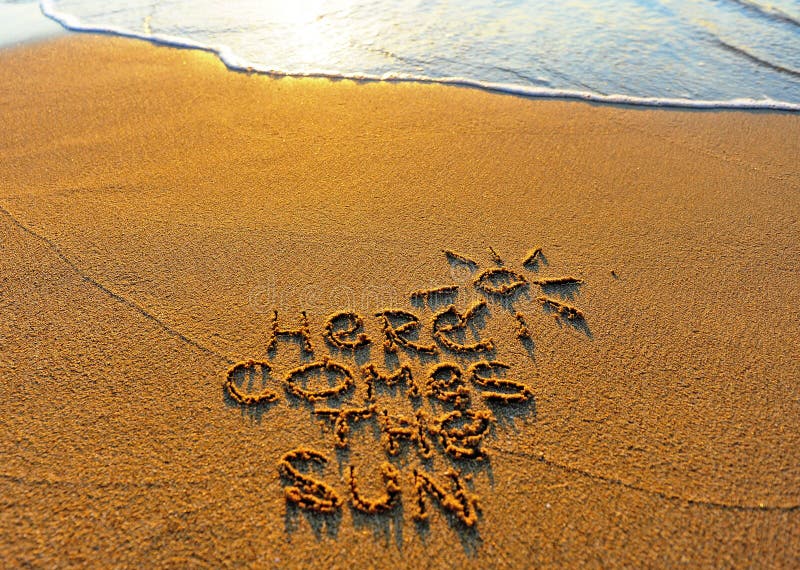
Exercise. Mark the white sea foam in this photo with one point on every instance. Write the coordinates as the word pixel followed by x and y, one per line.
pixel 757 80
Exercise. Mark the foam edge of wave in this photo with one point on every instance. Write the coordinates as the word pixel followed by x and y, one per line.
pixel 234 63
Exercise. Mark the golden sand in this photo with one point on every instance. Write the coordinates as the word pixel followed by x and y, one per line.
pixel 555 333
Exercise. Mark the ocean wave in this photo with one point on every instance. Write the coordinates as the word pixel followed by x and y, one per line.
pixel 770 12
pixel 236 62
pixel 744 52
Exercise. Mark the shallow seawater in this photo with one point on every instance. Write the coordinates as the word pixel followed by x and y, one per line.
pixel 22 21
pixel 647 51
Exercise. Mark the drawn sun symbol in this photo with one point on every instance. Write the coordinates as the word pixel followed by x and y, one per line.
pixel 504 284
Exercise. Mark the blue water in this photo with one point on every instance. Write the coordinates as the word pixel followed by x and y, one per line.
pixel 730 53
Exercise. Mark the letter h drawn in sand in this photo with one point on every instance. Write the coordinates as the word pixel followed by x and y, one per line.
pixel 301 334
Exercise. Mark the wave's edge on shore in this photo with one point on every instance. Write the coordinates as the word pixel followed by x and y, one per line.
pixel 237 64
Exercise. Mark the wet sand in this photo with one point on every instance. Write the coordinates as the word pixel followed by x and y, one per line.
pixel 157 209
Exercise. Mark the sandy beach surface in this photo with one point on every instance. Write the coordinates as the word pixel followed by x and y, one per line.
pixel 156 209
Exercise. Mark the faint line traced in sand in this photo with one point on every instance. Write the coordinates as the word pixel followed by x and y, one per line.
pixel 467 504
pixel 733 159
pixel 110 292
pixel 610 480
pixel 444 381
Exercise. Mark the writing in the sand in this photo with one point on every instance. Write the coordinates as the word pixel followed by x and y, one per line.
pixel 445 371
